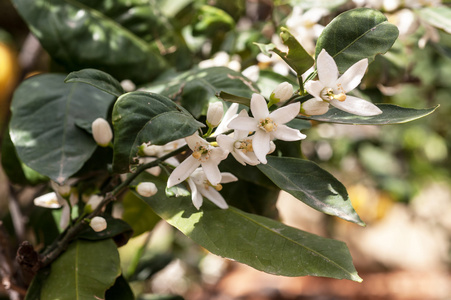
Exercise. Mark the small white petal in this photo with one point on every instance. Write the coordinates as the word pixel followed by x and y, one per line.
pixel 212 172
pixel 261 146
pixel 353 76
pixel 286 133
pixel 285 114
pixel 228 116
pixel 314 107
pixel 49 200
pixel 259 107
pixel 195 140
pixel 183 171
pixel 214 196
pixel 228 177
pixel 314 88
pixel 244 123
pixel 196 197
pixel 327 69
pixel 225 142
pixel 246 158
pixel 357 106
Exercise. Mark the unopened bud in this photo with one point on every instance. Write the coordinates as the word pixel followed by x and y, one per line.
pixel 101 132
pixel 215 113
pixel 282 92
pixel 314 107
pixel 98 224
pixel 93 202
pixel 146 189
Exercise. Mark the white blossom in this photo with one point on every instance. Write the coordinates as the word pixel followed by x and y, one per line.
pixel 228 116
pixel 146 189
pixel 201 186
pixel 203 154
pixel 282 92
pixel 268 126
pixel 332 89
pixel 101 131
pixel 98 224
pixel 215 113
pixel 49 200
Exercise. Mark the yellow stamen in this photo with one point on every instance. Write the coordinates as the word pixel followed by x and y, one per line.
pixel 340 97
pixel 197 154
pixel 218 187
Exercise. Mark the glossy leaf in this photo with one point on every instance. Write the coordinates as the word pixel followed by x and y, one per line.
pixel 391 114
pixel 43 129
pixel 259 242
pixel 356 34
pixel 138 214
pixel 99 79
pixel 439 17
pixel 79 36
pixel 234 98
pixel 167 127
pixel 120 290
pixel 131 113
pixel 117 229
pixel 312 185
pixel 84 271
pixel 196 88
pixel 34 290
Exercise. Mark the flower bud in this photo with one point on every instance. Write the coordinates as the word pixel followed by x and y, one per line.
pixel 146 189
pixel 63 190
pixel 93 202
pixel 101 132
pixel 215 113
pixel 282 92
pixel 98 224
pixel 49 200
pixel 314 107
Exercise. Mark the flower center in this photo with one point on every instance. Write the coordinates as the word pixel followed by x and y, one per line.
pixel 201 153
pixel 207 185
pixel 267 125
pixel 328 94
pixel 244 145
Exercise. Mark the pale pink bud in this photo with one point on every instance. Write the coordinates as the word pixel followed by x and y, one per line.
pixel 101 132
pixel 98 224
pixel 146 189
pixel 215 113
pixel 282 92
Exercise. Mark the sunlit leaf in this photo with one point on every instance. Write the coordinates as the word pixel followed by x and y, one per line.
pixel 439 17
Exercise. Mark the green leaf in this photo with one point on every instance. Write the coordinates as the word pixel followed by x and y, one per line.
pixel 84 271
pixel 43 129
pixel 314 186
pixel 196 88
pixel 99 79
pixel 211 20
pixel 138 214
pixel 234 98
pixel 391 114
pixel 34 290
pixel 117 229
pixel 356 34
pixel 167 127
pixel 131 113
pixel 79 36
pixel 296 57
pixel 259 242
pixel 439 17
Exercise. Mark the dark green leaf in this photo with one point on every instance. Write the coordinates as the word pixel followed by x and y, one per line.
pixel 262 243
pixel 356 34
pixel 167 127
pixel 44 112
pixel 211 20
pixel 84 271
pixel 99 79
pixel 149 267
pixel 34 290
pixel 131 113
pixel 117 229
pixel 120 290
pixel 312 185
pixel 196 88
pixel 138 214
pixel 79 36
pixel 392 114
pixel 234 98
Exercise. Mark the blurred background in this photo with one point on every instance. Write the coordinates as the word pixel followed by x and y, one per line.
pixel 398 176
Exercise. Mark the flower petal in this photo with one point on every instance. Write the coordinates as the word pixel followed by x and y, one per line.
pixel 286 133
pixel 195 141
pixel 196 197
pixel 314 88
pixel 260 144
pixel 247 158
pixel 327 69
pixel 244 123
pixel 228 177
pixel 357 106
pixel 183 171
pixel 228 116
pixel 259 107
pixel 285 114
pixel 225 142
pixel 353 76
pixel 313 107
pixel 212 172
pixel 214 196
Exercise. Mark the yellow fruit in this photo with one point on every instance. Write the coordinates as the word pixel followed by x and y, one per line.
pixel 9 71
